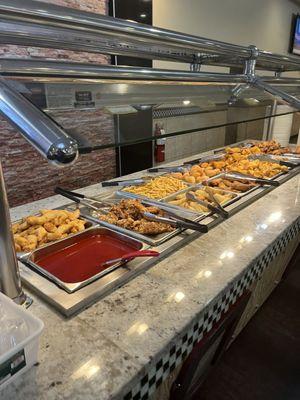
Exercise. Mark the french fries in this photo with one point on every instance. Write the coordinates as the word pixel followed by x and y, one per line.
pixel 35 231
pixel 158 188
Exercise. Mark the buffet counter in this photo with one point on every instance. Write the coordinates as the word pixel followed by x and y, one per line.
pixel 130 341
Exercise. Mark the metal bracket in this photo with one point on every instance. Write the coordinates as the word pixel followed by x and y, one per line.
pixel 195 65
pixel 250 64
pixel 253 80
pixel 236 92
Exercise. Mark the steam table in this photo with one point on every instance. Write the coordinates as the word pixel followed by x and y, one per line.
pixel 129 342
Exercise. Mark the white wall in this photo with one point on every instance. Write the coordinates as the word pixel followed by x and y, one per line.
pixel 265 23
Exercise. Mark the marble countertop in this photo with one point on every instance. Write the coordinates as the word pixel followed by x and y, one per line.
pixel 106 348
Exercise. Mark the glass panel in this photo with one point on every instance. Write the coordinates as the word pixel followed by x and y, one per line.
pixel 113 113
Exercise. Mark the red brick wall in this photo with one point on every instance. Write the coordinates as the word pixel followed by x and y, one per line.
pixel 27 175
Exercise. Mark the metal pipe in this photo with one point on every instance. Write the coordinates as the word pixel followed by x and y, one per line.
pixel 276 92
pixel 10 282
pixel 52 15
pixel 41 131
pixel 33 34
pixel 271 120
pixel 42 24
pixel 29 67
pixel 52 142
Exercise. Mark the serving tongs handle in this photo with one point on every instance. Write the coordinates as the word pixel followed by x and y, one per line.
pixel 292 155
pixel 174 222
pixel 215 209
pixel 272 158
pixel 289 164
pixel 67 194
pixel 79 200
pixel 259 181
pixel 268 182
pixel 60 190
pixel 212 157
pixel 130 256
pixel 219 206
pixel 127 182
pixel 200 227
pixel 178 168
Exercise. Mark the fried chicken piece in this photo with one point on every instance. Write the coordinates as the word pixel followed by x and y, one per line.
pixel 32 243
pixel 15 228
pixel 110 218
pixel 20 241
pixel 128 214
pixel 151 227
pixel 50 227
pixel 41 233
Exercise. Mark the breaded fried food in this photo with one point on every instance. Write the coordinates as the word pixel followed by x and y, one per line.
pixel 202 194
pixel 37 230
pixel 128 214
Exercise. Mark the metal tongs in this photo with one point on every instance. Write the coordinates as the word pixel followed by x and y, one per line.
pixel 178 168
pixel 274 159
pixel 241 145
pixel 250 178
pixel 292 155
pixel 177 221
pixel 79 198
pixel 216 207
pixel 212 157
pixel 127 182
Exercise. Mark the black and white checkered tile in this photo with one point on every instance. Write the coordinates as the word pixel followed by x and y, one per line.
pixel 177 354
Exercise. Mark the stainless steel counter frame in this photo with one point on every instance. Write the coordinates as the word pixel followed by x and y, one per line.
pixel 206 277
pixel 70 303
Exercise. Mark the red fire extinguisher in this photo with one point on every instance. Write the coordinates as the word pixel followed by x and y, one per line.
pixel 160 144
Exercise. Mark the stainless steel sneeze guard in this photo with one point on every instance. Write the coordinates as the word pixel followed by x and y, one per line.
pixel 39 24
pixel 37 128
pixel 29 17
pixel 34 23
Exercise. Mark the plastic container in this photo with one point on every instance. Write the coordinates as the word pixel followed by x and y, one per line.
pixel 20 358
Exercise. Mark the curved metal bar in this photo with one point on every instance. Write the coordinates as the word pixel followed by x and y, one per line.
pixel 37 128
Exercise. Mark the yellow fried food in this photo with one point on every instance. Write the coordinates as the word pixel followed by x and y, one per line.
pixel 31 243
pixel 202 194
pixel 159 187
pixel 19 240
pixel 50 225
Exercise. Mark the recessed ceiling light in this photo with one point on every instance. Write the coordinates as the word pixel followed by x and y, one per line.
pixel 186 102
pixel 143 15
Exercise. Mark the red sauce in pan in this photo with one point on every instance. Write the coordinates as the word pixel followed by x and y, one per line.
pixel 83 259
